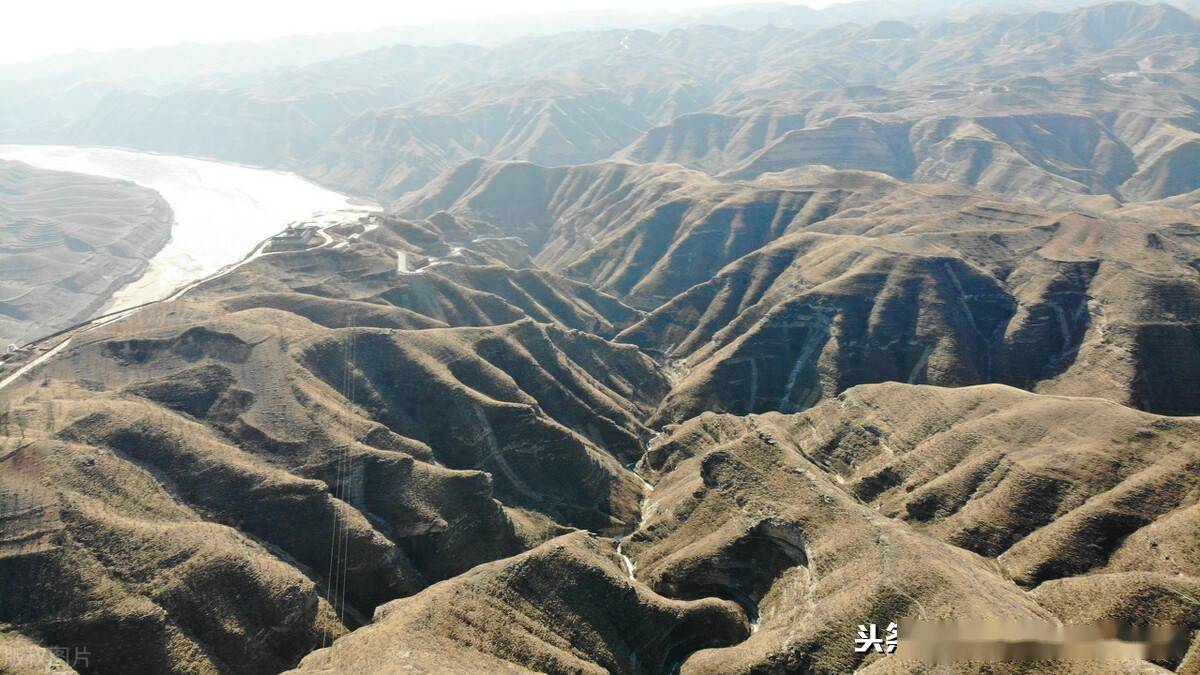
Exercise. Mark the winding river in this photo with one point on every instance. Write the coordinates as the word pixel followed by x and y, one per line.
pixel 221 210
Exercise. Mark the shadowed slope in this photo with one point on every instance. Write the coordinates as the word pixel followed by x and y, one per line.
pixel 565 606
pixel 964 292
pixel 739 512
pixel 817 521
pixel 235 421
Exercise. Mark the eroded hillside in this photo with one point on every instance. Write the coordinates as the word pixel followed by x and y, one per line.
pixel 67 242
pixel 678 352
pixel 421 388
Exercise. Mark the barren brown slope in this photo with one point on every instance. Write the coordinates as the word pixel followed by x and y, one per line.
pixel 387 153
pixel 1061 107
pixel 787 517
pixel 441 386
pixel 709 141
pixel 643 233
pixel 942 287
pixel 739 513
pixel 67 243
pixel 472 443
pixel 466 444
pixel 402 274
pixel 1030 149
pixel 566 606
pixel 461 100
pixel 926 283
pixel 1051 486
pixel 818 520
pixel 1067 105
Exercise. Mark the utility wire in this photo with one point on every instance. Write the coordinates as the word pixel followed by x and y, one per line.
pixel 336 580
pixel 348 461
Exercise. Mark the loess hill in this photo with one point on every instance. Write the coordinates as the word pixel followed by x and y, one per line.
pixel 67 242
pixel 481 410
pixel 671 352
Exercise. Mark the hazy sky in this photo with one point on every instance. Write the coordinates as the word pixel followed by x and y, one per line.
pixel 31 29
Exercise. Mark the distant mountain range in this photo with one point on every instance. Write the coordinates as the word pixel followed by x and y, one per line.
pixel 1056 107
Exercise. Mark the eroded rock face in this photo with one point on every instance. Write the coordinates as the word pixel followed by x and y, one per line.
pixel 159 583
pixel 389 152
pixel 1060 106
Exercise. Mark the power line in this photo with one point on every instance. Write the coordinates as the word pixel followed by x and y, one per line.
pixel 337 581
pixel 346 494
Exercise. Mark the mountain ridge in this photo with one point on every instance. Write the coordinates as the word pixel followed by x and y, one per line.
pixel 689 350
